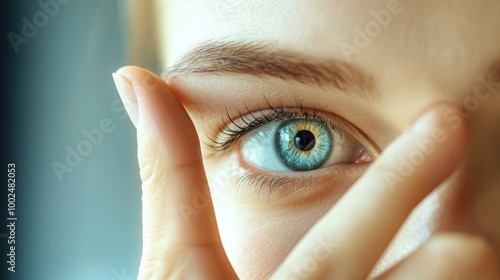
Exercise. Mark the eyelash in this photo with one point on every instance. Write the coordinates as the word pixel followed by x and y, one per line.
pixel 273 182
pixel 234 128
pixel 249 121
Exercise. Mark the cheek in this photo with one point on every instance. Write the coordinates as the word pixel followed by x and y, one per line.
pixel 257 238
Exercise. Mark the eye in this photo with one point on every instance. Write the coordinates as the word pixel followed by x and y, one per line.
pixel 287 149
pixel 298 145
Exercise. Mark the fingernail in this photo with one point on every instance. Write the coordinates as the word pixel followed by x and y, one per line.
pixel 127 96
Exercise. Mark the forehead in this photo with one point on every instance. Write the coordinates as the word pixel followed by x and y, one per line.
pixel 401 39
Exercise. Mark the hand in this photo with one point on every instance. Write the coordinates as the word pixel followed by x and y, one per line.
pixel 345 244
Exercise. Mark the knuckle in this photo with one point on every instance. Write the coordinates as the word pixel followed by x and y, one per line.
pixel 152 171
pixel 187 165
pixel 157 164
pixel 466 252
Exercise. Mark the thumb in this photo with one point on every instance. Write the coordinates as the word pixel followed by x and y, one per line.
pixel 179 227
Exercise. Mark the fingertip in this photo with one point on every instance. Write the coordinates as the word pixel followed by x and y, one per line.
pixel 130 71
pixel 448 134
pixel 161 116
pixel 143 81
pixel 432 148
pixel 153 96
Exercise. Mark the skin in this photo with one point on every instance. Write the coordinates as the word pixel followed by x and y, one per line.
pixel 426 63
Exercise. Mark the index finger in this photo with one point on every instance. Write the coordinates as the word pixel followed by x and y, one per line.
pixel 180 235
pixel 347 242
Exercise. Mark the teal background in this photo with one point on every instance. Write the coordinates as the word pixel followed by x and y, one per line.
pixel 86 225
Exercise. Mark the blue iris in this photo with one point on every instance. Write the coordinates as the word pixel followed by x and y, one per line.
pixel 303 144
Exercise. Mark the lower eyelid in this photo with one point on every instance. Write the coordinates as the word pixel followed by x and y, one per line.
pixel 256 186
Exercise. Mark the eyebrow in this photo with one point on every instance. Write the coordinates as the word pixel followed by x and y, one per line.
pixel 265 60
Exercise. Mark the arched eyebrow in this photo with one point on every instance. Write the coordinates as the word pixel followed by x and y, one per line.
pixel 261 59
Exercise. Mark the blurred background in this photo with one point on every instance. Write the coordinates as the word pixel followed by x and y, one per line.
pixel 77 187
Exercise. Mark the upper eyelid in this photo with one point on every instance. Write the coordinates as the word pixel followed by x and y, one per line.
pixel 222 143
pixel 257 122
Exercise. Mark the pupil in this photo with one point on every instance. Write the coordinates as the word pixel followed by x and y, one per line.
pixel 305 140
